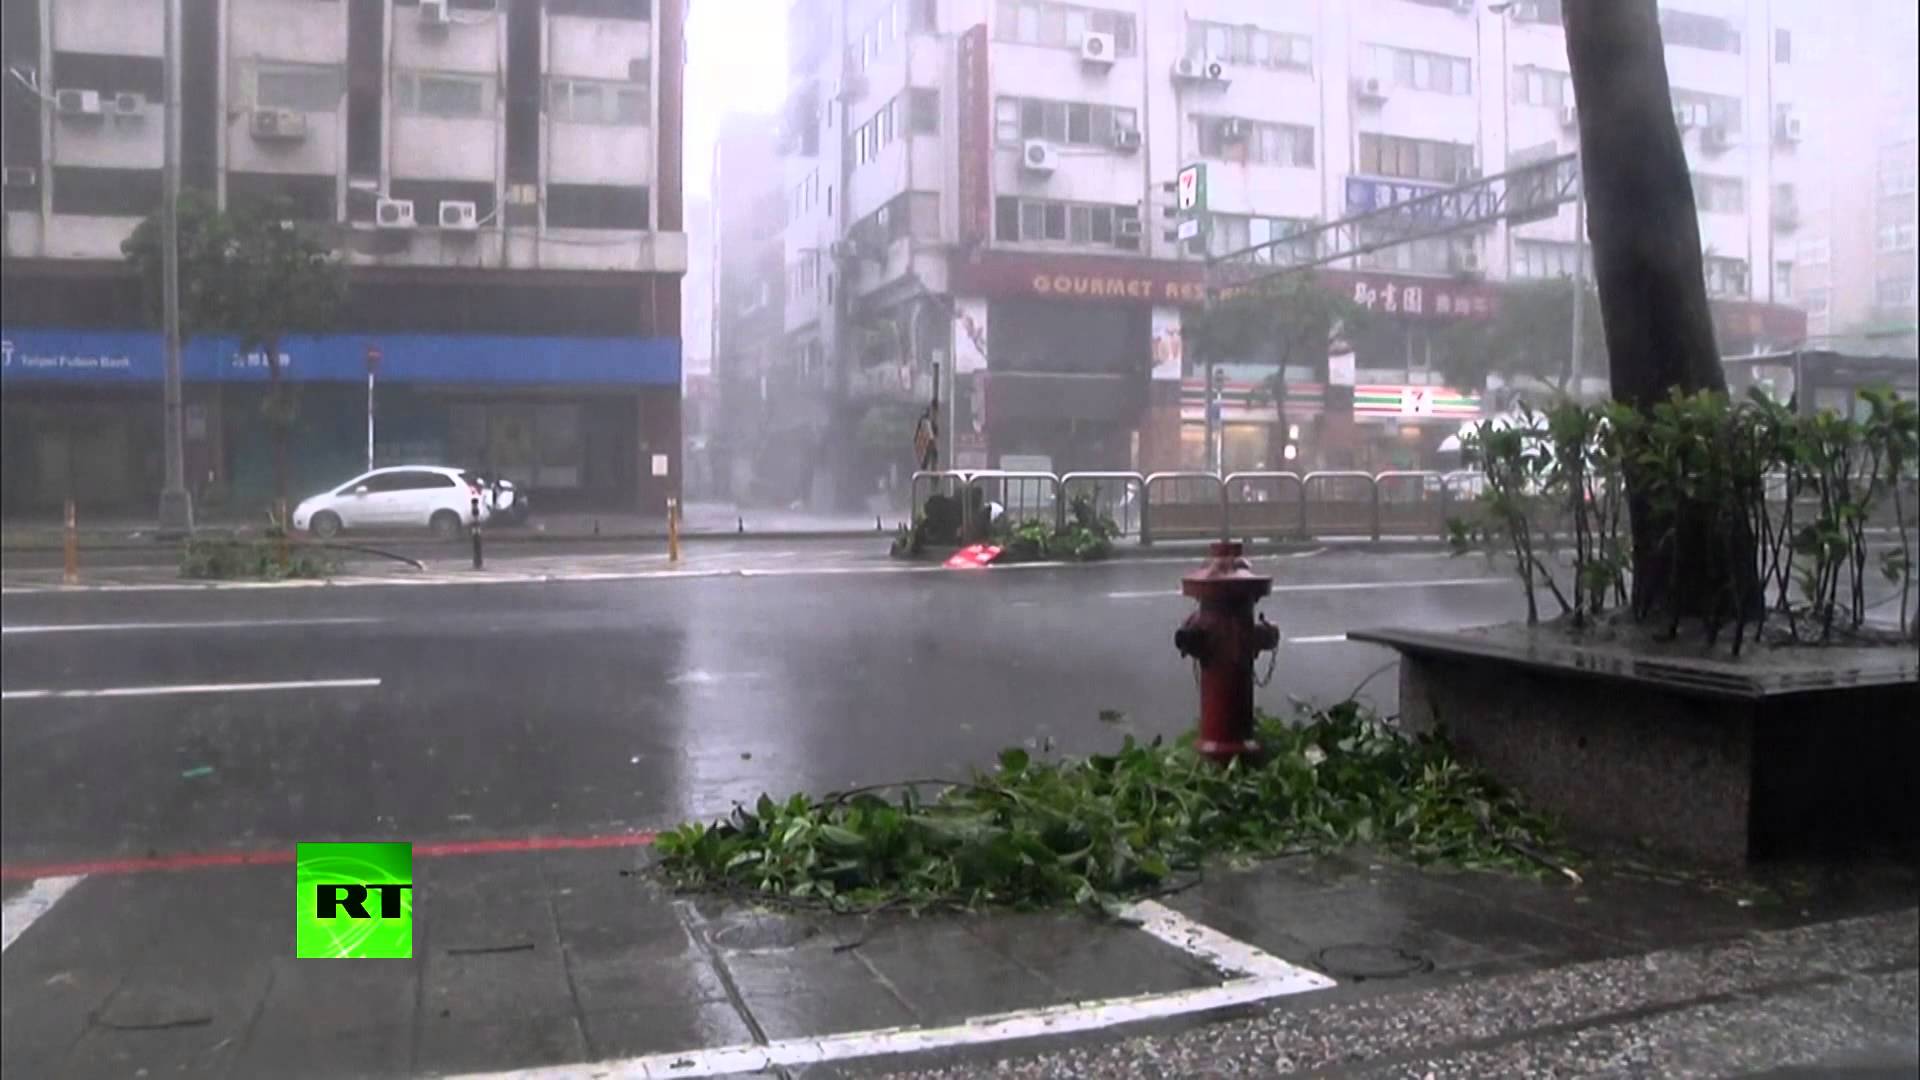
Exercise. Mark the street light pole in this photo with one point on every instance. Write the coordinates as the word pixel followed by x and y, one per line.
pixel 1579 268
pixel 176 505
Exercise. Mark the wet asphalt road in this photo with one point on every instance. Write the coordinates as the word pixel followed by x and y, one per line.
pixel 569 709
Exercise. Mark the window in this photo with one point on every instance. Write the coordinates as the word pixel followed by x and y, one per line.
pixel 1816 301
pixel 1229 233
pixel 1725 277
pixel 1896 174
pixel 1896 237
pixel 1717 110
pixel 1414 159
pixel 1782 46
pixel 1232 139
pixel 1546 259
pixel 1719 194
pixel 1029 221
pixel 1783 281
pixel 107 192
pixel 1699 31
pixel 1060 26
pixel 1249 46
pixel 1542 86
pixel 925 107
pixel 439 95
pixel 600 9
pixel 1434 72
pixel 303 87
pixel 597 206
pixel 588 101
pixel 1433 255
pixel 880 130
pixel 1894 292
pixel 1062 122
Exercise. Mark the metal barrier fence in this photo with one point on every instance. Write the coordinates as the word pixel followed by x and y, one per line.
pixel 1190 505
pixel 1117 496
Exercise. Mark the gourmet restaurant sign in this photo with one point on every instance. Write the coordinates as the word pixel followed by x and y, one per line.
pixel 1149 281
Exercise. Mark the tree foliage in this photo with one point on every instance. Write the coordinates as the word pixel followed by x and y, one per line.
pixel 1528 340
pixel 251 272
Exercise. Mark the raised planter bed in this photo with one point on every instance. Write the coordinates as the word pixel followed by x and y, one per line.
pixel 1784 751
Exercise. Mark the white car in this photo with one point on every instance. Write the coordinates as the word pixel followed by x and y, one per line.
pixel 397 497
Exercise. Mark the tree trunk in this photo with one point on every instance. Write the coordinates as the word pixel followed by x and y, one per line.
pixel 1645 239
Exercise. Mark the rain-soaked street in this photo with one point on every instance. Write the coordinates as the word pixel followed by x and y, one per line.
pixel 437 712
pixel 165 748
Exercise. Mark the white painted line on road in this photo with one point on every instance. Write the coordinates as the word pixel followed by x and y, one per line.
pixel 24 910
pixel 1230 955
pixel 1336 586
pixel 1259 976
pixel 216 624
pixel 190 688
pixel 1049 1020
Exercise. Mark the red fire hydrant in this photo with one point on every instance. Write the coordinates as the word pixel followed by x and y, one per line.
pixel 1225 639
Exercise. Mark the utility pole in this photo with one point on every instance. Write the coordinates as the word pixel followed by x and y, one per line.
pixel 1579 270
pixel 176 505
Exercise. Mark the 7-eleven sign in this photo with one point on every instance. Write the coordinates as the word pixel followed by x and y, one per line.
pixel 1190 190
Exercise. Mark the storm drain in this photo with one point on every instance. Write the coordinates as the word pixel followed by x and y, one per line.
pixel 1361 961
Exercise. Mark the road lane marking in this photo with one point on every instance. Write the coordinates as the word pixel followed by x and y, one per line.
pixel 24 910
pixel 190 688
pixel 1046 1021
pixel 1336 586
pixel 215 624
pixel 209 860
pixel 1317 639
pixel 1229 955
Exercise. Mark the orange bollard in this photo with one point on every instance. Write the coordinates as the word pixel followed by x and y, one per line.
pixel 673 530
pixel 72 545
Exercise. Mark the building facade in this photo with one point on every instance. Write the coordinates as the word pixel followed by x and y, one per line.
pixel 502 178
pixel 1856 241
pixel 986 185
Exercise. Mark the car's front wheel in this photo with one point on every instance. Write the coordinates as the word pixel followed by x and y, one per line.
pixel 325 525
pixel 445 524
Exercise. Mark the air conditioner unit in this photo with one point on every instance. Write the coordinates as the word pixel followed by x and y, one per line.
pixel 1127 140
pixel 1569 117
pixel 393 213
pixel 1234 129
pixel 459 214
pixel 1187 69
pixel 1096 49
pixel 278 124
pixel 1788 128
pixel 435 13
pixel 1128 229
pixel 77 102
pixel 21 176
pixel 1039 156
pixel 1215 71
pixel 129 104
pixel 1370 88
pixel 1716 137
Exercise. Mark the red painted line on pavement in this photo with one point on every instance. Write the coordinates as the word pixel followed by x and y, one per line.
pixel 203 860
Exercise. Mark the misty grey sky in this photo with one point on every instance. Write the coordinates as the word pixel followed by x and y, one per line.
pixel 736 62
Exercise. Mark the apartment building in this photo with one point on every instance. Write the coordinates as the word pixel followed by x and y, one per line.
pixel 501 176
pixel 769 427
pixel 1856 242
pixel 985 184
